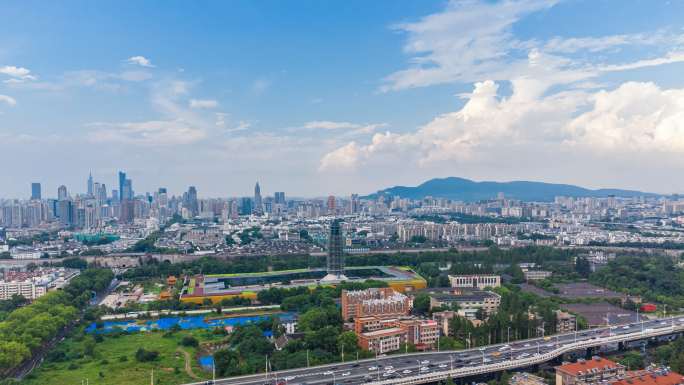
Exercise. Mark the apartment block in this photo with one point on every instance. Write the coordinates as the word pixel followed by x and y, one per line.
pixel 486 300
pixel 536 275
pixel 384 340
pixel 383 303
pixel 566 322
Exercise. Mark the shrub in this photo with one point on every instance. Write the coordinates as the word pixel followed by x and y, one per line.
pixel 143 355
pixel 189 340
pixel 123 359
pixel 104 362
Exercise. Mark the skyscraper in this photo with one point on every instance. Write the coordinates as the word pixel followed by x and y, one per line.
pixel 61 193
pixel 191 202
pixel 127 191
pixel 355 204
pixel 90 184
pixel 35 191
pixel 122 179
pixel 257 199
pixel 335 253
pixel 280 198
pixel 331 204
pixel 246 206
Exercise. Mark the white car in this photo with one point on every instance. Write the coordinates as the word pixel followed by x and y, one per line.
pixel 482 349
pixel 329 372
pixel 391 371
pixel 407 371
pixel 681 320
pixel 536 354
pixel 424 369
pixel 613 327
pixel 386 375
pixel 487 360
pixel 549 345
pixel 442 366
pixel 527 345
pixel 371 368
pixel 625 327
pixel 389 367
pixel 290 378
pixel 425 362
pixel 345 373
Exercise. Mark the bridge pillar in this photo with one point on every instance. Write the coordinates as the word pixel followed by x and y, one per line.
pixel 626 345
pixel 590 352
pixel 621 346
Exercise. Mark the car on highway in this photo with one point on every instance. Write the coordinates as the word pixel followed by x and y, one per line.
pixel 333 368
pixel 592 338
pixel 391 371
pixel 386 374
pixel 289 378
pixel 303 383
pixel 424 369
pixel 355 365
pixel 482 349
pixel 373 368
pixel 408 361
pixel 368 380
pixel 625 327
pixel 425 362
pixel 391 376
pixel 527 345
pixel 536 354
pixel 266 383
pixel 496 355
pixel 329 372
pixel 280 383
pixel 604 332
pixel 486 360
pixel 463 354
pixel 389 367
pixel 583 334
pixel 407 371
pixel 346 373
pixel 210 382
pixel 549 345
pixel 442 366
pixel 514 344
pixel 547 338
pixel 431 365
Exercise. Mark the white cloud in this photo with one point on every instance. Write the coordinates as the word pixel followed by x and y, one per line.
pixel 316 100
pixel 17 74
pixel 148 134
pixel 199 103
pixel 8 99
pixel 241 127
pixel 673 57
pixel 326 125
pixel 139 60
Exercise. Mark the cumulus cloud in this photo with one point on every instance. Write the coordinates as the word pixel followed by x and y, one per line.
pixel 199 103
pixel 18 74
pixel 8 99
pixel 139 60
pixel 260 85
pixel 326 125
pixel 635 117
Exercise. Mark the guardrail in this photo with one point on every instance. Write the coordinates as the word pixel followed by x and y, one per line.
pixel 464 372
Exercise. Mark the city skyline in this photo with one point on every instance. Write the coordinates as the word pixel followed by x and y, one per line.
pixel 315 98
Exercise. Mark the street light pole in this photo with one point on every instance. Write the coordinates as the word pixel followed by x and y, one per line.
pixel 537 347
pixel 508 334
pixel 343 353
pixel 470 342
pixel 452 362
pixel 307 358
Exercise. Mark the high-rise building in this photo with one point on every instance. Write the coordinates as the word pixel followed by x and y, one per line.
pixel 191 202
pixel 122 179
pixel 257 199
pixel 90 184
pixel 280 198
pixel 127 211
pixel 331 204
pixel 35 191
pixel 61 193
pixel 246 206
pixel 501 195
pixel 335 253
pixel 65 212
pixel 355 204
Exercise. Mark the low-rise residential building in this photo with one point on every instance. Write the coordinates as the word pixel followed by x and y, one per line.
pixel 384 340
pixel 566 322
pixel 525 379
pixel 423 334
pixel 485 299
pixel 596 370
pixel 478 281
pixel 536 275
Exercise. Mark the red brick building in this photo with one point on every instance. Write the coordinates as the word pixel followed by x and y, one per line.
pixel 383 303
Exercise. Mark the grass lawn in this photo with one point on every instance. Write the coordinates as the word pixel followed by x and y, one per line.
pixel 117 372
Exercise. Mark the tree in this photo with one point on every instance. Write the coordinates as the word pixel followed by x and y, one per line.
pixel 633 360
pixel 449 381
pixel 325 339
pixel 582 267
pixel 677 364
pixel 286 280
pixel 89 346
pixel 313 320
pixel 206 302
pixel 411 348
pixel 189 340
pixel 350 341
pixel 630 305
pixel 480 314
pixel 421 302
pixel 143 355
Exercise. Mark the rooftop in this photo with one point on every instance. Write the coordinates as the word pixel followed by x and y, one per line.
pixel 595 313
pixel 587 366
pixel 383 332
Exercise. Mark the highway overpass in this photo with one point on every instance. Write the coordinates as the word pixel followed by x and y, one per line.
pixel 529 352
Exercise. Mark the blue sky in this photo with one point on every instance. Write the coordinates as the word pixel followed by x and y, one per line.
pixel 318 98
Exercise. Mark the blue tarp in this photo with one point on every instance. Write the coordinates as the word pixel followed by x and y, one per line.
pixel 184 323
pixel 207 363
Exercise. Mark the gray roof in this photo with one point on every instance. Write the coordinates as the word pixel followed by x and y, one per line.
pixel 475 296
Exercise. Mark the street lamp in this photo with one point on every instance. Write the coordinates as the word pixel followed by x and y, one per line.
pixel 343 353
pixel 557 343
pixel 307 358
pixel 470 342
pixel 543 330
pixel 483 361
pixel 508 334
pixel 452 362
pixel 537 347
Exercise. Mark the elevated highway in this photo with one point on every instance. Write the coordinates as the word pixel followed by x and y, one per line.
pixel 491 359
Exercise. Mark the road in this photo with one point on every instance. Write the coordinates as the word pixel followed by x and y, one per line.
pixel 408 366
pixel 37 356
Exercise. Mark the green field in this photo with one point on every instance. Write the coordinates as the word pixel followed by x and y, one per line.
pixel 116 372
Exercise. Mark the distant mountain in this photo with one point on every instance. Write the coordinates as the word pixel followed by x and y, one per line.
pixel 469 191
